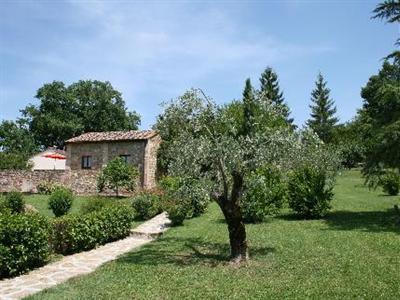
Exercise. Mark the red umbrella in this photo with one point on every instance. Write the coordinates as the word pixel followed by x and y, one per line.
pixel 55 156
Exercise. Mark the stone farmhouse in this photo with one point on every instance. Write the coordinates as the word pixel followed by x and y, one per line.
pixel 85 156
pixel 92 151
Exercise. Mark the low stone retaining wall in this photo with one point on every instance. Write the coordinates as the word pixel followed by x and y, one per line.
pixel 82 182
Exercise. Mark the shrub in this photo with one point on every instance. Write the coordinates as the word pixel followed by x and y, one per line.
pixel 264 195
pixel 187 190
pixel 146 205
pixel 24 243
pixel 60 201
pixel 309 192
pixel 46 187
pixel 15 202
pixel 95 204
pixel 390 183
pixel 177 211
pixel 72 234
pixel 3 205
pixel 116 175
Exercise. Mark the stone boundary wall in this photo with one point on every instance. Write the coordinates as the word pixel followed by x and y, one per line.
pixel 82 182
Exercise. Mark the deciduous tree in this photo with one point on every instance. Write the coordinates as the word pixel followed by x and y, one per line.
pixel 66 111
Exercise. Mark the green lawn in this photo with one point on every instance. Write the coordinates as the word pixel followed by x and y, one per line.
pixel 40 202
pixel 353 253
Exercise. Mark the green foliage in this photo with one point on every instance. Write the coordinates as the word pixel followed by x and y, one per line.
pixel 146 205
pixel 23 243
pixel 15 138
pixel 270 90
pixel 350 142
pixel 265 192
pixel 3 205
pixel 177 211
pixel 13 161
pixel 96 203
pixel 15 202
pixel 84 106
pixel 73 234
pixel 390 182
pixel 190 192
pixel 116 175
pixel 60 201
pixel 323 111
pixel 174 121
pixel 381 120
pixel 225 145
pixel 309 192
pixel 46 187
pixel 249 107
pixel 389 10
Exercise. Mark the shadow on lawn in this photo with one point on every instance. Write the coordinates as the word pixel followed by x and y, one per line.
pixel 370 221
pixel 185 252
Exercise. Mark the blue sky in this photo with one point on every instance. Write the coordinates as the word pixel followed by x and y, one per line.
pixel 154 51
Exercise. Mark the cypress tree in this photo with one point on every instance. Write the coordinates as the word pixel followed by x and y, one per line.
pixel 269 87
pixel 248 107
pixel 323 110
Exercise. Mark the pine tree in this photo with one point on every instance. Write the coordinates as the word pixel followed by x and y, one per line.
pixel 269 87
pixel 323 110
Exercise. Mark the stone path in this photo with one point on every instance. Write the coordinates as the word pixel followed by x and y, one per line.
pixel 81 263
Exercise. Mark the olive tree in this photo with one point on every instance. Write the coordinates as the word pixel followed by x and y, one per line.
pixel 223 144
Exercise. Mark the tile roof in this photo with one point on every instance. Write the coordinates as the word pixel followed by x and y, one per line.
pixel 113 136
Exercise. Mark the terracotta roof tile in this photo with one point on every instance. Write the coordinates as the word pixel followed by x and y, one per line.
pixel 113 136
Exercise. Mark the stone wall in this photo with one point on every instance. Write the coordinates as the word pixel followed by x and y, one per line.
pixel 102 152
pixel 82 182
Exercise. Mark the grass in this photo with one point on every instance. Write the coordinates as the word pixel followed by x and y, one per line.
pixel 40 202
pixel 352 253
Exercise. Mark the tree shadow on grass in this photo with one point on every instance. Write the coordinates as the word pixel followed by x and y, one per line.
pixel 186 252
pixel 368 221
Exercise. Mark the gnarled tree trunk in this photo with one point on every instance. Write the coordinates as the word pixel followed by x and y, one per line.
pixel 230 206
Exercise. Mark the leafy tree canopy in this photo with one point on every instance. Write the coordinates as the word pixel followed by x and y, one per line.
pixel 222 144
pixel 66 111
pixel 16 138
pixel 381 117
pixel 16 145
pixel 116 175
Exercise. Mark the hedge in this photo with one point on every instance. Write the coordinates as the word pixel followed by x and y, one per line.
pixel 24 243
pixel 73 234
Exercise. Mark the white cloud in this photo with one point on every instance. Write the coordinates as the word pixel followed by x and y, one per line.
pixel 164 46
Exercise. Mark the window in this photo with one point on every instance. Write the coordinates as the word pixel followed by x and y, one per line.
pixel 86 162
pixel 125 158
